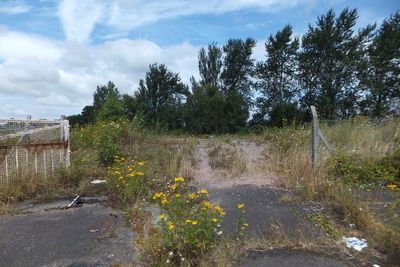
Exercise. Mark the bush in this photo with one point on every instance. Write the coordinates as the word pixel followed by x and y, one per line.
pixel 127 181
pixel 393 161
pixel 105 138
pixel 353 168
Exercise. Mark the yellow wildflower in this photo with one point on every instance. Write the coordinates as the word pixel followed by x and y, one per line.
pixel 207 204
pixel 141 163
pixel 157 195
pixel 162 216
pixel 170 225
pixel 246 225
pixel 214 220
pixel 192 196
pixel 177 195
pixel 240 206
pixel 194 222
pixel 174 186
pixel 189 221
pixel 140 173
pixel 220 210
pixel 164 201
pixel 203 191
pixel 179 179
pixel 391 186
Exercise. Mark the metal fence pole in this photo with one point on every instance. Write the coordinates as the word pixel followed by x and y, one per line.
pixel 315 138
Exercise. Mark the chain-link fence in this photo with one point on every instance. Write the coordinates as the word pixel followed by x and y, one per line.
pixel 372 137
pixel 32 148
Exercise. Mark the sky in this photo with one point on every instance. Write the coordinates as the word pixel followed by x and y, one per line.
pixel 53 53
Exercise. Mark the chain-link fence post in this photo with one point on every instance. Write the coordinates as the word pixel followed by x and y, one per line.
pixel 315 138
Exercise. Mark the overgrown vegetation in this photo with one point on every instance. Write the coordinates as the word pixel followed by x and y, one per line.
pixel 356 169
pixel 189 226
pixel 333 183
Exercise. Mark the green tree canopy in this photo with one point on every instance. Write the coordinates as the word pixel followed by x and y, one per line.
pixel 330 63
pixel 210 65
pixel 381 76
pixel 278 73
pixel 160 97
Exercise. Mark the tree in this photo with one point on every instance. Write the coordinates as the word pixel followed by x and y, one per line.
pixel 130 105
pixel 210 65
pixel 278 74
pixel 382 73
pixel 204 110
pixel 236 78
pixel 160 97
pixel 103 92
pixel 238 66
pixel 330 63
pixel 111 110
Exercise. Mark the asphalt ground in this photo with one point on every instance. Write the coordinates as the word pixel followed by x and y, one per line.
pixel 89 235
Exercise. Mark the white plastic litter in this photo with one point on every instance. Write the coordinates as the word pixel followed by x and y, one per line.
pixel 98 181
pixel 355 242
pixel 376 265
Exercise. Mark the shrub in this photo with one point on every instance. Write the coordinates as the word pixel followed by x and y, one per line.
pixel 127 181
pixel 393 161
pixel 353 168
pixel 189 225
pixel 105 138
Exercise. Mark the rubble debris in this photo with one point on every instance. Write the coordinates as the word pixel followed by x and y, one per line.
pixel 92 200
pixel 72 203
pixel 98 181
pixel 94 230
pixel 355 243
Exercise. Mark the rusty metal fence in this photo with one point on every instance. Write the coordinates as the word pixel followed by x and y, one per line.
pixel 32 148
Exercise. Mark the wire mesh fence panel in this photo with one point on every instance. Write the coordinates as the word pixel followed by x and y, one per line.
pixel 31 148
pixel 361 135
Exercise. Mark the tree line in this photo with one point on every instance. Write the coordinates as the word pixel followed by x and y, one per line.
pixel 344 72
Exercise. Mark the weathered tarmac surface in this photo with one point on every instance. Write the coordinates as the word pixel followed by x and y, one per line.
pixel 90 235
pixel 263 209
pixel 292 258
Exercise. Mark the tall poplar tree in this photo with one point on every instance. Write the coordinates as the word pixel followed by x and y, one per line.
pixel 382 73
pixel 330 61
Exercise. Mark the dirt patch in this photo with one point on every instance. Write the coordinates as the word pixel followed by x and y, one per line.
pixel 229 163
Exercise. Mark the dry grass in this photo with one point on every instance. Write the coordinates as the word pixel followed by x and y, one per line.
pixel 226 157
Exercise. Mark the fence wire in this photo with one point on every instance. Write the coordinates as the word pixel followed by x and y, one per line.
pixel 32 148
pixel 361 135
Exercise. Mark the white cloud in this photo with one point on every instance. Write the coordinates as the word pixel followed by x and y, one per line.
pixel 132 14
pixel 21 45
pixel 46 78
pixel 14 7
pixel 80 17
